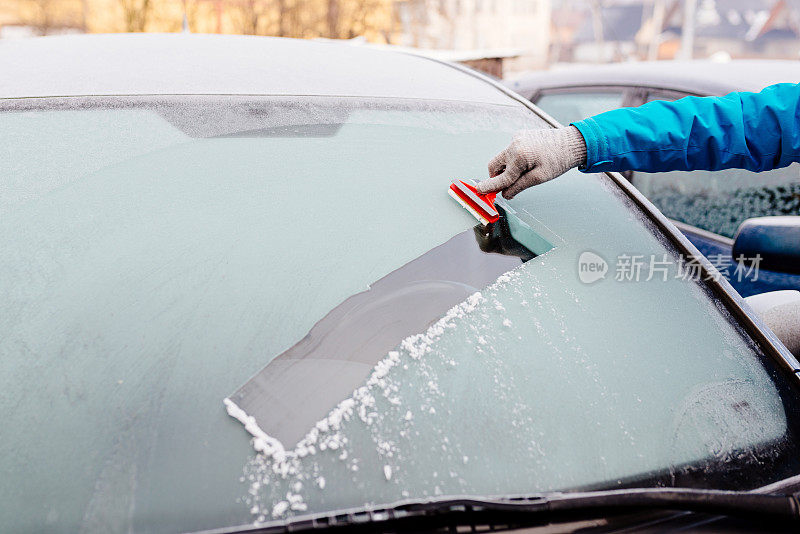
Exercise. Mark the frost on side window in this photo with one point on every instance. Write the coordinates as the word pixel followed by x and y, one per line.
pixel 539 382
pixel 719 201
pixel 575 106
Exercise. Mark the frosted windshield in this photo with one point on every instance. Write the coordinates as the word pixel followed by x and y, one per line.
pixel 157 253
pixel 542 382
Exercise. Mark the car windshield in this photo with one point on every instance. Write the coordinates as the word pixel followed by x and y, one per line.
pixel 159 252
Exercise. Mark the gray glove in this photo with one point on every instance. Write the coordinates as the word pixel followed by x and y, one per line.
pixel 534 157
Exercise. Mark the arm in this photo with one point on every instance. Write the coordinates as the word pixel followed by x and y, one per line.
pixel 754 131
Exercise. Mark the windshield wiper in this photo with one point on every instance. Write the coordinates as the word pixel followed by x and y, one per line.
pixel 446 513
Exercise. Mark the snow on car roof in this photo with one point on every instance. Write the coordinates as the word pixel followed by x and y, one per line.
pixel 698 76
pixel 135 64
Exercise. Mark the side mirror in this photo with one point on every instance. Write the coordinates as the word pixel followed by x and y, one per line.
pixel 780 310
pixel 775 240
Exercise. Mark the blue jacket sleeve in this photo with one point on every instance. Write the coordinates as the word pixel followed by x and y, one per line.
pixel 754 131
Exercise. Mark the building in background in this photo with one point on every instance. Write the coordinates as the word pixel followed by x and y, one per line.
pixel 620 30
pixel 734 28
pixel 608 32
pixel 484 27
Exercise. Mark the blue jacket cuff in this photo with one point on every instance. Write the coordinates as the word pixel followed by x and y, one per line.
pixel 597 154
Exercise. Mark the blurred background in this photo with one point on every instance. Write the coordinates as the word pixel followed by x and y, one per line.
pixel 501 37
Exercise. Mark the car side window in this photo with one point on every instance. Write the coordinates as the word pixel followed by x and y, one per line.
pixel 718 201
pixel 572 106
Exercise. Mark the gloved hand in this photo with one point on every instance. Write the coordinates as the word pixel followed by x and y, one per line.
pixel 534 157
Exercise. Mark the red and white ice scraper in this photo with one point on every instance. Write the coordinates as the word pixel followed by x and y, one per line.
pixel 481 206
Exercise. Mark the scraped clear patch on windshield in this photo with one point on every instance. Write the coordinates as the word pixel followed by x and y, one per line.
pixel 302 384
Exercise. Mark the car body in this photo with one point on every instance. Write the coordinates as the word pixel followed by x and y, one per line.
pixel 182 213
pixel 707 206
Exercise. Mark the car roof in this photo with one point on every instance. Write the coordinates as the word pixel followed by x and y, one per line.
pixel 699 76
pixel 161 64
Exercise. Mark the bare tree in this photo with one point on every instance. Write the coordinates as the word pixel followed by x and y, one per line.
pixel 254 17
pixel 283 17
pixel 332 15
pixel 290 22
pixel 335 19
pixel 46 16
pixel 346 19
pixel 135 14
pixel 43 19
pixel 357 18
